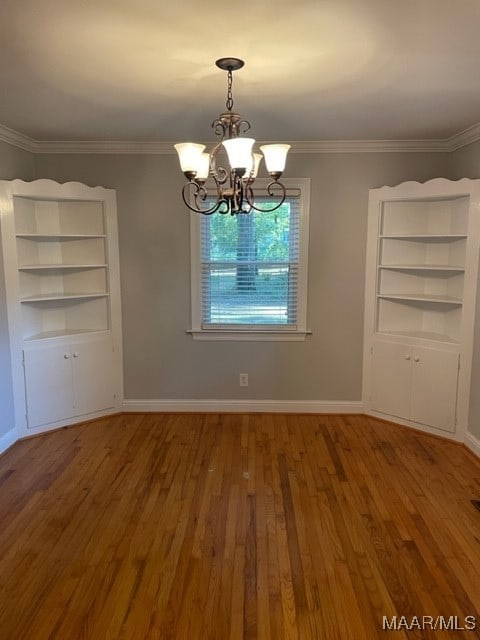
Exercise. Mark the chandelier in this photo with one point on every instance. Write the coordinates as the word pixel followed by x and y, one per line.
pixel 230 189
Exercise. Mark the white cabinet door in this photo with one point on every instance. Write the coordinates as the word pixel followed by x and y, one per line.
pixel 93 376
pixel 48 384
pixel 434 388
pixel 391 379
pixel 415 383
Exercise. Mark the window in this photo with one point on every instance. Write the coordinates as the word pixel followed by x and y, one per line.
pixel 249 272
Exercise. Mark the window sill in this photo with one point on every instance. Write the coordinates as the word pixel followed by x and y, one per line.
pixel 249 335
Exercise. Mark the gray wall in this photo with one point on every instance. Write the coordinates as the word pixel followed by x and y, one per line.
pixel 161 360
pixel 14 163
pixel 466 162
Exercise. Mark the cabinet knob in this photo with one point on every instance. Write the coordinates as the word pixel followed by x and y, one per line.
pixel 416 359
pixel 407 356
pixel 66 356
pixel 75 354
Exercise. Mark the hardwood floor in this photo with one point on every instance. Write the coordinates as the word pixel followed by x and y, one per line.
pixel 236 527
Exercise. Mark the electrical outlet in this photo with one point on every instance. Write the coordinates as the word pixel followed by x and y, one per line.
pixel 243 380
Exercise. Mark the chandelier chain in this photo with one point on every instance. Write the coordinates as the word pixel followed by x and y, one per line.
pixel 229 103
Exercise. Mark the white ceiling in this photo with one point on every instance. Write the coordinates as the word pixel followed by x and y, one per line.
pixel 315 69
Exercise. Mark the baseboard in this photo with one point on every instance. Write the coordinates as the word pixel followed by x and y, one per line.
pixel 453 436
pixel 8 439
pixel 472 443
pixel 241 406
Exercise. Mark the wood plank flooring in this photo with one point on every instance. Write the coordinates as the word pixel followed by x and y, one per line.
pixel 230 527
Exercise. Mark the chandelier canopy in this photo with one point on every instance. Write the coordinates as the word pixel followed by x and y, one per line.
pixel 232 188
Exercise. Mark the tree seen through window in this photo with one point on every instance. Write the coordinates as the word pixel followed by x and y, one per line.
pixel 249 267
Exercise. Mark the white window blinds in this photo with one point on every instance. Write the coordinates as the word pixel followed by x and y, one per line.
pixel 250 267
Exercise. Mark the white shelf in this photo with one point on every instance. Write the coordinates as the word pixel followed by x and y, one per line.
pixel 418 318
pixel 52 237
pixel 38 217
pixel 425 219
pixel 425 237
pixel 421 267
pixel 422 335
pixel 417 297
pixel 61 333
pixel 46 267
pixel 53 312
pixel 47 297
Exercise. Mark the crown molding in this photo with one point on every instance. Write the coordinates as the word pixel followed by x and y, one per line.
pixel 148 147
pixel 465 137
pixel 368 146
pixel 297 146
pixel 156 147
pixel 17 139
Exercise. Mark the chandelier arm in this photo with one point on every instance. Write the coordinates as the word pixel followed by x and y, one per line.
pixel 226 210
pixel 220 175
pixel 220 197
pixel 219 128
pixel 239 192
pixel 235 194
pixel 250 198
pixel 192 190
pixel 226 126
pixel 243 127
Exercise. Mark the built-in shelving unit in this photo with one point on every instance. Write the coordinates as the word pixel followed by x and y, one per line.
pixel 420 267
pixel 62 264
pixel 61 261
pixel 420 301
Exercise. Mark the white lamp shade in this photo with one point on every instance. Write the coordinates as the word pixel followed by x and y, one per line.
pixel 257 158
pixel 189 155
pixel 203 166
pixel 275 156
pixel 239 151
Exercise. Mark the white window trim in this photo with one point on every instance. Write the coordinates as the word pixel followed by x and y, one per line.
pixel 261 333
